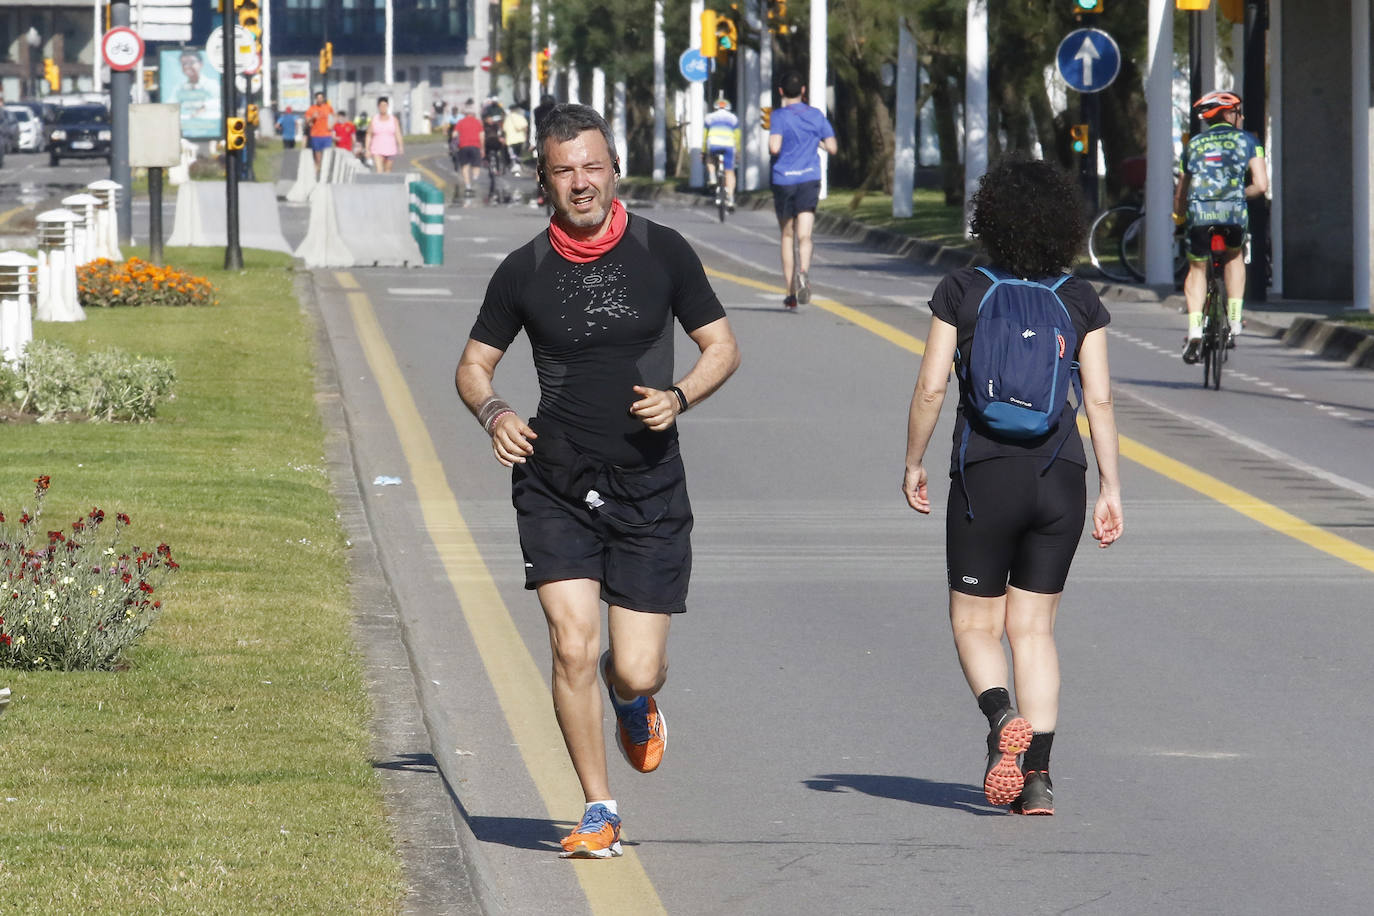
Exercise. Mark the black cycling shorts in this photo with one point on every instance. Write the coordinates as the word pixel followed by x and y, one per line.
pixel 1200 239
pixel 469 155
pixel 1025 526
pixel 637 543
pixel 791 199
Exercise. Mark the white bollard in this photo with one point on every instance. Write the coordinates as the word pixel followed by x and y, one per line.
pixel 16 303
pixel 106 218
pixel 57 300
pixel 83 205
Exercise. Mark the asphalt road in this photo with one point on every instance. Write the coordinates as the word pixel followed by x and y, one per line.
pixel 826 755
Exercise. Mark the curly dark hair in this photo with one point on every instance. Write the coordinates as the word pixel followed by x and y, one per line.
pixel 1029 216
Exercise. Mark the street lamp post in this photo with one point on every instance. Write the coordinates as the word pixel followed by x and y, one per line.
pixel 35 43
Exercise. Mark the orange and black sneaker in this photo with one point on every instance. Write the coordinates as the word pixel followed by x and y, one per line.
pixel 596 837
pixel 1009 738
pixel 1037 796
pixel 642 732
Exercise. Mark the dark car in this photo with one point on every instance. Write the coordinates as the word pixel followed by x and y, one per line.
pixel 79 130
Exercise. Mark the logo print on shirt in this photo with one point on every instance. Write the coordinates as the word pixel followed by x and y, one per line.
pixel 598 292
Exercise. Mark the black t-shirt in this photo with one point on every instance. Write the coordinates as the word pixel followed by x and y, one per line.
pixel 955 301
pixel 600 328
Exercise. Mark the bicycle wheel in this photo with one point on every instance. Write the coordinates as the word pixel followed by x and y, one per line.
pixel 1214 332
pixel 1133 248
pixel 1104 242
pixel 720 201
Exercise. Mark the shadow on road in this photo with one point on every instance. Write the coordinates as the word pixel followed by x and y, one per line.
pixel 959 796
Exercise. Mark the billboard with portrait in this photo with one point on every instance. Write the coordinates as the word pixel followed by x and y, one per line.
pixel 187 79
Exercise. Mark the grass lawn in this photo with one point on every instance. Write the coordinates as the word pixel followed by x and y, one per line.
pixel 227 769
pixel 931 219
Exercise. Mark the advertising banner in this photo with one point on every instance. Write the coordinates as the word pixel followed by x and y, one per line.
pixel 293 85
pixel 188 80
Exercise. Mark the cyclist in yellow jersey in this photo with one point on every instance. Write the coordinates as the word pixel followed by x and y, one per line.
pixel 722 126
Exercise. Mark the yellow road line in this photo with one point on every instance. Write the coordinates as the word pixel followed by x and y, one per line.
pixel 5 217
pixel 1246 504
pixel 621 886
pixel 438 182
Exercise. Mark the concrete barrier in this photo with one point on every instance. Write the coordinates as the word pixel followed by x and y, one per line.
pixel 305 182
pixel 290 166
pixel 359 225
pixel 200 216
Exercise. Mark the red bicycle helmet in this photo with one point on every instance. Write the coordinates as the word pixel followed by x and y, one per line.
pixel 1214 103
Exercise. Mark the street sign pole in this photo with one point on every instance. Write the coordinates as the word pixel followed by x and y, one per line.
pixel 233 255
pixel 121 83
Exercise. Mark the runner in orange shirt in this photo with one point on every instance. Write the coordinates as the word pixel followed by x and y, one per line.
pixel 320 117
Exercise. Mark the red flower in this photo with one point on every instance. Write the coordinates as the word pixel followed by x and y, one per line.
pixel 96 515
pixel 162 549
pixel 122 518
pixel 157 604
pixel 77 525
pixel 145 587
pixel 2 516
pixel 42 481
pixel 55 536
pixel 126 578
pixel 24 519
pixel 173 564
pixel 5 638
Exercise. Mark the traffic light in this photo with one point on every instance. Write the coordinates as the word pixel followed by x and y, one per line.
pixel 251 114
pixel 326 56
pixel 1078 138
pixel 249 16
pixel 1087 6
pixel 542 66
pixel 708 33
pixel 52 74
pixel 727 36
pixel 777 17
pixel 1194 4
pixel 235 134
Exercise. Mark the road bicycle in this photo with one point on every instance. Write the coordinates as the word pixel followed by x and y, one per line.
pixel 1216 327
pixel 721 197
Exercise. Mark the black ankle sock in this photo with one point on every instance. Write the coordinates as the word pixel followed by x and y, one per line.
pixel 1037 756
pixel 992 701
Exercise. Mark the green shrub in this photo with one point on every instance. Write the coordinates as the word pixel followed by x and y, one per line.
pixel 54 383
pixel 76 603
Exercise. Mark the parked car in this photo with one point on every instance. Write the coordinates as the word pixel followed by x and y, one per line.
pixel 33 136
pixel 79 130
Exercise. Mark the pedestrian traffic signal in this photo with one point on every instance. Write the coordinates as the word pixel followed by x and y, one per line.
pixel 1078 138
pixel 727 36
pixel 235 134
pixel 251 114
pixel 52 74
pixel 249 16
pixel 326 56
pixel 542 66
pixel 708 33
pixel 1087 6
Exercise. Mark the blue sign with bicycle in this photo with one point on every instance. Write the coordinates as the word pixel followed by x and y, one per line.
pixel 692 66
pixel 1088 59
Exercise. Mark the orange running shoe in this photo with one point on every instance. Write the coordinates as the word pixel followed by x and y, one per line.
pixel 596 837
pixel 1010 736
pixel 642 732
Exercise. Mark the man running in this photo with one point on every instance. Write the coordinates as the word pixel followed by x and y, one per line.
pixel 795 132
pixel 598 485
pixel 1214 185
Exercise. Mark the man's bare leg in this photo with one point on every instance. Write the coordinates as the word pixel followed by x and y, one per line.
pixel 572 608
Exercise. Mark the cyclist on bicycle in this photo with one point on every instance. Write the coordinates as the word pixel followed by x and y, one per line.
pixel 1223 166
pixel 721 129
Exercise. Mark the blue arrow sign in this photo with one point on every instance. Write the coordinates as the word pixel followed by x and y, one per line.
pixel 692 66
pixel 1088 59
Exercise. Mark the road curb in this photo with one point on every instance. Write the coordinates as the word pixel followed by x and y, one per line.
pixel 422 808
pixel 1332 340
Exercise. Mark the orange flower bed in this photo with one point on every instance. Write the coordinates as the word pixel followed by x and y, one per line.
pixel 104 283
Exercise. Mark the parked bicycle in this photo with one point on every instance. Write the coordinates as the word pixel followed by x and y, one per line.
pixel 1116 245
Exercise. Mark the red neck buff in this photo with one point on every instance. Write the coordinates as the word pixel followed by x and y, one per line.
pixel 582 252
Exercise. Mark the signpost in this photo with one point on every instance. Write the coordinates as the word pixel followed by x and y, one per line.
pixel 693 67
pixel 122 48
pixel 1089 61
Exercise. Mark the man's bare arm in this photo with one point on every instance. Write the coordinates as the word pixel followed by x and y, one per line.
pixel 510 436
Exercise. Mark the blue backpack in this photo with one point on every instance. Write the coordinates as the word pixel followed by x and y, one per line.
pixel 1020 366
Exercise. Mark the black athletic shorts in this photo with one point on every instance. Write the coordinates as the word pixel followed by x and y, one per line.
pixel 469 155
pixel 1025 526
pixel 636 543
pixel 791 199
pixel 1200 239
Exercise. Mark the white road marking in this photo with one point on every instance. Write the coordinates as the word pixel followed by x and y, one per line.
pixel 418 291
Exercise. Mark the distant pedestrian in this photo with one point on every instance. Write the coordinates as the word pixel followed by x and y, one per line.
pixel 384 142
pixel 597 479
pixel 466 144
pixel 796 134
pixel 517 131
pixel 345 133
pixel 288 126
pixel 1016 505
pixel 320 118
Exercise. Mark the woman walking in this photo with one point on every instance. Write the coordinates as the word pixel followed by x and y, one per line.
pixel 1009 559
pixel 384 143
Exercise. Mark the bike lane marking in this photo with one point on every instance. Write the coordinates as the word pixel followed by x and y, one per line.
pixel 1246 504
pixel 622 887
